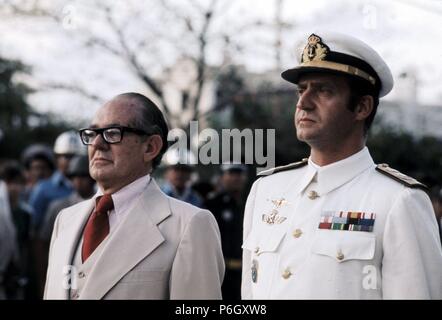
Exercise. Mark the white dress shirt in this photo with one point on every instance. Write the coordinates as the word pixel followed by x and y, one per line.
pixel 124 199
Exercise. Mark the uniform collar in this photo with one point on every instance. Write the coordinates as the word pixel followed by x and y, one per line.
pixel 334 175
pixel 307 178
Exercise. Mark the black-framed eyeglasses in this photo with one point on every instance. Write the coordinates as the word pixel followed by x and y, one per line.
pixel 113 134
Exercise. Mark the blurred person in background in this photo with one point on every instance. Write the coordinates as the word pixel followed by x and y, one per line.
pixel 84 188
pixel 66 146
pixel 203 189
pixel 13 177
pixel 227 205
pixel 436 199
pixel 178 176
pixel 8 243
pixel 39 164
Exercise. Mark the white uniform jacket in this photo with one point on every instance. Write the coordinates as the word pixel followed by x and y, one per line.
pixel 343 231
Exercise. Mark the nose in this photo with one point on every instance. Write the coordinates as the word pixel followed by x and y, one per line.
pixel 304 101
pixel 99 143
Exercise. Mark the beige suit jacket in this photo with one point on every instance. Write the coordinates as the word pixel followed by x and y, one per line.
pixel 162 249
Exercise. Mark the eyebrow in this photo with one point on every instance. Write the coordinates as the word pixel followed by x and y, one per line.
pixel 316 83
pixel 94 126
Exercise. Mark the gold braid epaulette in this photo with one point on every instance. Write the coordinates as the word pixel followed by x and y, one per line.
pixel 400 177
pixel 290 166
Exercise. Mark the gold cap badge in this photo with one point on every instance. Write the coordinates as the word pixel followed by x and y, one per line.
pixel 315 50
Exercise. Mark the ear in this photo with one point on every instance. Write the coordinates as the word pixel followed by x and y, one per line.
pixel 364 107
pixel 153 147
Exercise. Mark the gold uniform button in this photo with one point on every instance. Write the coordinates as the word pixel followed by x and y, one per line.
pixel 312 195
pixel 297 233
pixel 340 256
pixel 286 274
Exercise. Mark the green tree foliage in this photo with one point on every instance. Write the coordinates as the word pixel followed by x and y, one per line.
pixel 13 107
pixel 20 125
pixel 420 157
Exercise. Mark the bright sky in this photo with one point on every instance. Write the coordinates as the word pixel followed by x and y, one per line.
pixel 406 33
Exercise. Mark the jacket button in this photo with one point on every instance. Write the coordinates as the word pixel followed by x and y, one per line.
pixel 256 250
pixel 81 275
pixel 297 233
pixel 340 256
pixel 286 274
pixel 312 195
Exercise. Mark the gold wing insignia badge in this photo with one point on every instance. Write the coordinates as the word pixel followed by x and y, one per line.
pixel 274 216
pixel 279 202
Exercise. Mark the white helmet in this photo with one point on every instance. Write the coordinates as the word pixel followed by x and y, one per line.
pixel 69 142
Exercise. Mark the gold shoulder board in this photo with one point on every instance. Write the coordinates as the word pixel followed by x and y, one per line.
pixel 290 166
pixel 400 177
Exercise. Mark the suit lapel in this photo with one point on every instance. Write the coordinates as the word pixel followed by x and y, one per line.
pixel 64 248
pixel 135 237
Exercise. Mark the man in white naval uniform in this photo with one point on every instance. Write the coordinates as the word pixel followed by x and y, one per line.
pixel 336 225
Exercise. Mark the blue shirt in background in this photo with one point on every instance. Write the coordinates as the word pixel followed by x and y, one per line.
pixel 55 187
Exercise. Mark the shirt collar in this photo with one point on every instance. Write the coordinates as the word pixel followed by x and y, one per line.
pixel 125 197
pixel 336 174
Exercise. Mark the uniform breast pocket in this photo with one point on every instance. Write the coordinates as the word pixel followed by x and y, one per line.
pixel 344 245
pixel 264 249
pixel 261 242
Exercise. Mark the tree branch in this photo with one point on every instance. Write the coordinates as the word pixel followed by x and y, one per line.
pixel 201 61
pixel 72 88
pixel 35 9
pixel 139 70
pixel 94 41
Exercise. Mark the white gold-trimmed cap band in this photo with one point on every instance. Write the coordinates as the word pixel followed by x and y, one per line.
pixel 339 67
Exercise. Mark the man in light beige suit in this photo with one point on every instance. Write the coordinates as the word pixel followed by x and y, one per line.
pixel 145 245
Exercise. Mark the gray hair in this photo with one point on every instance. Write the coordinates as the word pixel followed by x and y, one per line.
pixel 151 120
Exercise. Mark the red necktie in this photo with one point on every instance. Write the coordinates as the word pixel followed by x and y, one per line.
pixel 97 227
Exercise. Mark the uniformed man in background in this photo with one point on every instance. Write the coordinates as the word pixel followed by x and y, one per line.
pixel 179 171
pixel 227 205
pixel 336 225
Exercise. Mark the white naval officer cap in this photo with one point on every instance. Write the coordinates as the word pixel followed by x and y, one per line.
pixel 341 54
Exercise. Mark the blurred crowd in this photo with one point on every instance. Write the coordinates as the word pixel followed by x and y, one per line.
pixel 47 179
